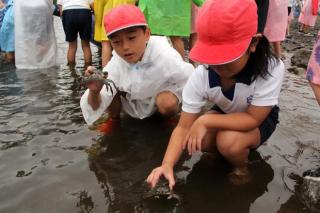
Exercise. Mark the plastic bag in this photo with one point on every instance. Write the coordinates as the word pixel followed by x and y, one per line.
pixel 35 40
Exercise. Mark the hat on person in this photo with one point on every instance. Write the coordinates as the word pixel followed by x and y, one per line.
pixel 225 29
pixel 122 17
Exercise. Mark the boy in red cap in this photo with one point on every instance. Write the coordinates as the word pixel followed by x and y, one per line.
pixel 241 78
pixel 147 72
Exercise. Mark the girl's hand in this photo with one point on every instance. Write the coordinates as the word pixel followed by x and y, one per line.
pixel 195 137
pixel 165 170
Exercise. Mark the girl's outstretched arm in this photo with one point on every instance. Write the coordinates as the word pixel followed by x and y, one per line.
pixel 174 151
pixel 240 121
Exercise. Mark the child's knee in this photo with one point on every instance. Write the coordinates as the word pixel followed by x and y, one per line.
pixel 228 144
pixel 167 103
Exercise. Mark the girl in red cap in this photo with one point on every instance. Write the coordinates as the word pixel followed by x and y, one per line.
pixel 241 78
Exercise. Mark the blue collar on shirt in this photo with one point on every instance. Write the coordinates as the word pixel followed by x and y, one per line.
pixel 214 81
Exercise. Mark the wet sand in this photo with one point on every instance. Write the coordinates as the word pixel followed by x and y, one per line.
pixel 52 162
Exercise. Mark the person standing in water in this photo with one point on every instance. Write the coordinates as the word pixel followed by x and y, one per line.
pixel 76 18
pixel 241 77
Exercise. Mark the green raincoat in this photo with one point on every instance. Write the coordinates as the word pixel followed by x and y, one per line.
pixel 168 17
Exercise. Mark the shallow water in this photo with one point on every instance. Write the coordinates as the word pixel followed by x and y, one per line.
pixel 52 162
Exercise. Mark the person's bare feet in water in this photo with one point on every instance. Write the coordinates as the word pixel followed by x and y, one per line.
pixel 240 176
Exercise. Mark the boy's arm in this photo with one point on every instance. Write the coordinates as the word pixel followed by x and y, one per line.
pixel 97 98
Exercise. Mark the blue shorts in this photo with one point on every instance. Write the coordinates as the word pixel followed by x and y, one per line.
pixel 76 21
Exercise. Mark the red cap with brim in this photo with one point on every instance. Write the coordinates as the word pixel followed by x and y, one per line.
pixel 214 54
pixel 225 29
pixel 123 17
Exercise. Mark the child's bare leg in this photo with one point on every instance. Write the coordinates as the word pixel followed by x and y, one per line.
pixel 106 52
pixel 115 107
pixel 178 44
pixel 71 56
pixel 9 57
pixel 301 28
pixel 316 90
pixel 288 27
pixel 235 147
pixel 86 52
pixel 192 40
pixel 306 29
pixel 167 103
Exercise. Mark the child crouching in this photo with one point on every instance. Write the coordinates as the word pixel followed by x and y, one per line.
pixel 148 74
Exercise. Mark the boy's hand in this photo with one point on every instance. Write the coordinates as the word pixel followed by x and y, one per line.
pixel 95 85
pixel 89 71
pixel 166 171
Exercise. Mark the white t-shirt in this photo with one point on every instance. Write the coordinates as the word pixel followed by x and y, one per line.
pixel 161 69
pixel 204 85
pixel 75 4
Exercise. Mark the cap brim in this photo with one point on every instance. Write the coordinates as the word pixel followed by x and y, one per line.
pixel 127 26
pixel 214 54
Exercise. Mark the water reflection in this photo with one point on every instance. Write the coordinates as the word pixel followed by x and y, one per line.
pixel 121 162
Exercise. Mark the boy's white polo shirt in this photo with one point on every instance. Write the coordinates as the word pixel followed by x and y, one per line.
pixel 204 85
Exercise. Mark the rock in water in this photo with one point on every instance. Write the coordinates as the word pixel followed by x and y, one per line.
pixel 311 189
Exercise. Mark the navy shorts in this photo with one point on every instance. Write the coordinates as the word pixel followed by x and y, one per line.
pixel 267 127
pixel 76 21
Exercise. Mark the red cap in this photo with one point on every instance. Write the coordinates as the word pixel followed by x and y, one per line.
pixel 225 29
pixel 122 17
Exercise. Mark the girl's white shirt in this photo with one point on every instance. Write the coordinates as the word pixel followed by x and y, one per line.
pixel 261 92
pixel 161 69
